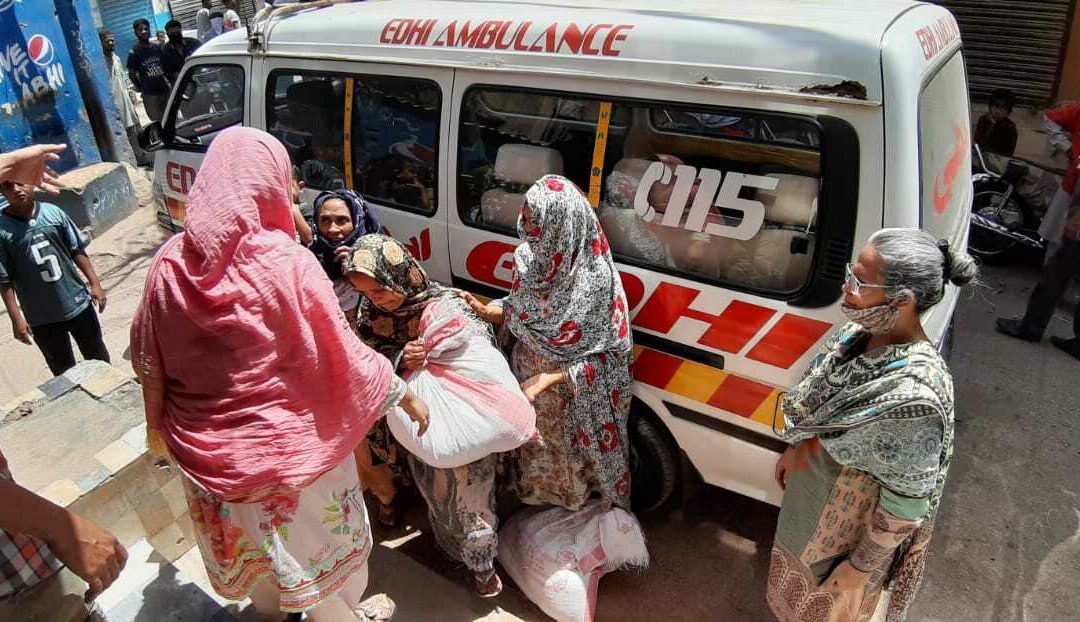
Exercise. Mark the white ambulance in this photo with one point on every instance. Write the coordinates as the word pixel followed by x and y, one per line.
pixel 737 153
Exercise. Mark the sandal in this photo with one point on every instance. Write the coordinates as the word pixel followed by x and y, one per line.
pixel 378 608
pixel 487 584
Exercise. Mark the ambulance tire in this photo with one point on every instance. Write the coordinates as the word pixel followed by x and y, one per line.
pixel 655 462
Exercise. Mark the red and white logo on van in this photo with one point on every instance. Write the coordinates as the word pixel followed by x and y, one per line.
pixel 943 181
pixel 41 50
pixel 738 324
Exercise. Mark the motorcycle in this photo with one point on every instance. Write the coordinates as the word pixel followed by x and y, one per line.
pixel 1003 222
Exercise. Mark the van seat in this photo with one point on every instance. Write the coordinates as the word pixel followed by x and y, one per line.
pixel 793 203
pixel 516 165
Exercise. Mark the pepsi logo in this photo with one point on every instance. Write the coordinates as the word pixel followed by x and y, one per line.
pixel 41 50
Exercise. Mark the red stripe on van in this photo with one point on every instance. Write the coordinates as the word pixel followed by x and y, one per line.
pixel 655 368
pixel 788 340
pixel 740 396
pixel 730 331
pixel 736 326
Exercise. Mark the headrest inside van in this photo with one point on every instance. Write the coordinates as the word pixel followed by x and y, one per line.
pixel 523 164
pixel 516 165
pixel 793 203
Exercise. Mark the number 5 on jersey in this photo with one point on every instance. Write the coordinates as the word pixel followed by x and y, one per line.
pixel 52 272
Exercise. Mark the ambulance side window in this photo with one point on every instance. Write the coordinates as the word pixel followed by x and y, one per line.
pixel 723 196
pixel 306 112
pixel 393 134
pixel 210 99
pixel 395 141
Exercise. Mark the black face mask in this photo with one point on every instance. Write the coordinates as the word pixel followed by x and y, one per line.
pixel 179 38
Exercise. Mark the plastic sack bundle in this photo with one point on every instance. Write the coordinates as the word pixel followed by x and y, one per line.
pixel 557 556
pixel 476 405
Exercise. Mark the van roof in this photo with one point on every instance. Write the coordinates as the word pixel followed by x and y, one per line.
pixel 770 44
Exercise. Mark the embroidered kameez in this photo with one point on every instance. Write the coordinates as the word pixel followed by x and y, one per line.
pixel 873 434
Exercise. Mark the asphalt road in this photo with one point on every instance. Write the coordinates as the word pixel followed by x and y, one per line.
pixel 1007 541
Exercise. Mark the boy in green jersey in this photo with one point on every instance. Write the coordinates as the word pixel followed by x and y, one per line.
pixel 47 301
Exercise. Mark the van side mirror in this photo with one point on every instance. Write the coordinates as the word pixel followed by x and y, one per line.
pixel 150 137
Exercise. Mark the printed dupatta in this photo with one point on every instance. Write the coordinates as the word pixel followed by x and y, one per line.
pixel 567 304
pixel 389 263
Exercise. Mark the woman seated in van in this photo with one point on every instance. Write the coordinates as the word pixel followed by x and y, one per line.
pixel 340 217
pixel 260 392
pixel 632 236
pixel 871 427
pixel 461 501
pixel 568 314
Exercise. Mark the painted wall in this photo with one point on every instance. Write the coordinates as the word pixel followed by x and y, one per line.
pixel 40 99
pixel 81 35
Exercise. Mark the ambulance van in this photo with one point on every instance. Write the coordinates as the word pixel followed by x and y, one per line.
pixel 738 154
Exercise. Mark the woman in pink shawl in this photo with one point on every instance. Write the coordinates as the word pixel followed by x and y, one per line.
pixel 260 391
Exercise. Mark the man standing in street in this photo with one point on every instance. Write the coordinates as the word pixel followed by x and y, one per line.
pixel 1061 229
pixel 146 68
pixel 123 93
pixel 46 300
pixel 203 31
pixel 52 562
pixel 177 49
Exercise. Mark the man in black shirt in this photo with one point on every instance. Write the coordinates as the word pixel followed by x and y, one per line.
pixel 177 49
pixel 146 67
pixel 995 132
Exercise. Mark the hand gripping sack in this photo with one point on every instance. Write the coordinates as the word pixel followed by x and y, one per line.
pixel 476 405
pixel 557 556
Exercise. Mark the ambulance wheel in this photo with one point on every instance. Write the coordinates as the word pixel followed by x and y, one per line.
pixel 655 462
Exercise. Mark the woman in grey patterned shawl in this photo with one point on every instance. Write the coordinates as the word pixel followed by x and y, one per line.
pixel 871 427
pixel 567 310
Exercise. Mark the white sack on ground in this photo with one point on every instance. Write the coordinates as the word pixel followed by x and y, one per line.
pixel 557 557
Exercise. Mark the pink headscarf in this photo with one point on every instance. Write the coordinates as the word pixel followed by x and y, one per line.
pixel 249 369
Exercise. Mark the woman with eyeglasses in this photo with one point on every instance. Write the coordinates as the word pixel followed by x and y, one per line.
pixel 871 431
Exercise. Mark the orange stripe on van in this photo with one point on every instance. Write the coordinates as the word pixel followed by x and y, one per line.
pixel 705 384
pixel 788 340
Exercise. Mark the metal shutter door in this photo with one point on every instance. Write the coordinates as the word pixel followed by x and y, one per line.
pixel 118 16
pixel 1014 44
pixel 185 10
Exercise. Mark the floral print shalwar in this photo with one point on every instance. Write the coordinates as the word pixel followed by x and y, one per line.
pixel 308 542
